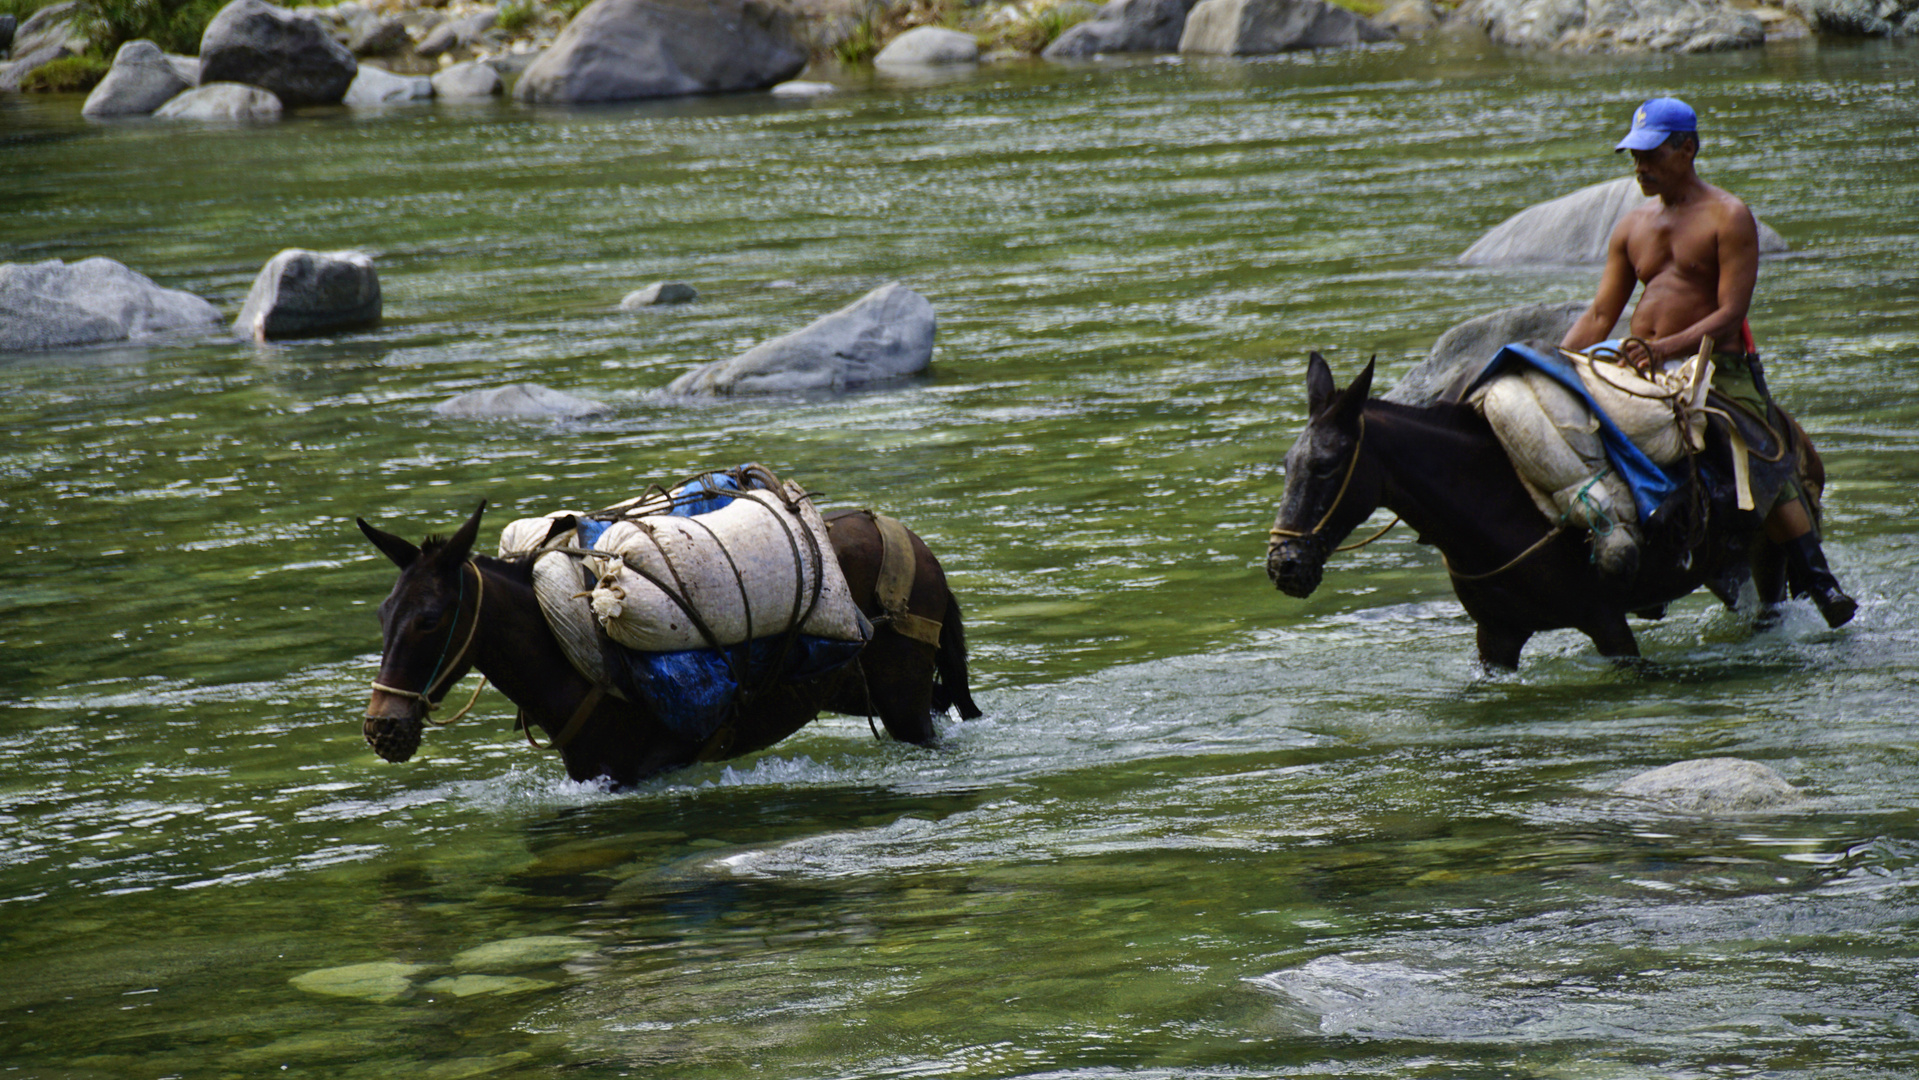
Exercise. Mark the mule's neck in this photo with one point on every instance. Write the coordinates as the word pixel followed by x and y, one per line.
pixel 516 648
pixel 1447 477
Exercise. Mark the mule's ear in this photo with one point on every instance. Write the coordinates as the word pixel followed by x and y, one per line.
pixel 461 545
pixel 401 553
pixel 1319 384
pixel 1362 387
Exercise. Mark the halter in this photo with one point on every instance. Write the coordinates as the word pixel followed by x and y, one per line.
pixel 1278 533
pixel 425 697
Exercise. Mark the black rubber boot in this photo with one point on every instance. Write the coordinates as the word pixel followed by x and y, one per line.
pixel 1809 575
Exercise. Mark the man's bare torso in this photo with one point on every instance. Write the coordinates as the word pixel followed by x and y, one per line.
pixel 1674 252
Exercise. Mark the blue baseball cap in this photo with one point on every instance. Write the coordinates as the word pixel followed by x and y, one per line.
pixel 1655 120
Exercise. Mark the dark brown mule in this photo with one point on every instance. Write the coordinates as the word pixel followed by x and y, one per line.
pixel 1442 471
pixel 452 611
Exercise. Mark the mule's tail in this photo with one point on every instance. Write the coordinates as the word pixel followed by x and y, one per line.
pixel 952 691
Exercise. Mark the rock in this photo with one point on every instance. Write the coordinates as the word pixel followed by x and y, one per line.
pixel 1573 229
pixel 307 292
pixel 1616 25
pixel 222 101
pixel 885 334
pixel 12 73
pixel 293 57
pixel 660 292
pixel 1411 18
pixel 622 50
pixel 1720 785
pixel 1260 27
pixel 468 80
pixel 497 985
pixel 140 81
pixel 924 45
pixel 457 33
pixel 378 37
pixel 56 25
pixel 797 89
pixel 53 305
pixel 1870 18
pixel 369 982
pixel 517 954
pixel 1465 348
pixel 1124 26
pixel 376 86
pixel 187 67
pixel 520 401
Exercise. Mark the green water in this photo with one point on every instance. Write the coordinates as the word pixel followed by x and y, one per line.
pixel 1204 830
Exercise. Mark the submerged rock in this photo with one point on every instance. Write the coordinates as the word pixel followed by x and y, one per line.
pixel 800 89
pixel 1124 26
pixel 885 334
pixel 53 305
pixel 1721 785
pixel 1464 349
pixel 292 56
pixel 1687 26
pixel 377 982
pixel 141 80
pixel 623 50
pixel 222 101
pixel 924 45
pixel 520 401
pixel 472 985
pixel 308 292
pixel 660 292
pixel 1262 27
pixel 1574 229
pixel 517 954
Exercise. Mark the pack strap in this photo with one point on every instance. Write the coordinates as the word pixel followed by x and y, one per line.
pixel 895 586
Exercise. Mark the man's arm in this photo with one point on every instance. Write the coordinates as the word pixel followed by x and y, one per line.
pixel 1738 274
pixel 1616 284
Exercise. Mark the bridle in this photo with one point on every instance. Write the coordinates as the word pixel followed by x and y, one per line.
pixel 426 697
pixel 1279 533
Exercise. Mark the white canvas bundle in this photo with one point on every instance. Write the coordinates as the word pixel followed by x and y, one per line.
pixel 748 570
pixel 529 535
pixel 1643 408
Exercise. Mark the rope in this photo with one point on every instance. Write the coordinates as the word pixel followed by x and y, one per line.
pixel 1514 561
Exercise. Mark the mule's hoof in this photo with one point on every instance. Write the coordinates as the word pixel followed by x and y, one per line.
pixel 1769 618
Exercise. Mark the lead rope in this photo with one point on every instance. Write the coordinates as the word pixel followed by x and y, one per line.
pixel 425 697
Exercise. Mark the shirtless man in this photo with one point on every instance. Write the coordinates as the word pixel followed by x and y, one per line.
pixel 1697 251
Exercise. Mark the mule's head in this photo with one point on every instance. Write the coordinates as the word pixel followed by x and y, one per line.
pixel 434 600
pixel 1319 506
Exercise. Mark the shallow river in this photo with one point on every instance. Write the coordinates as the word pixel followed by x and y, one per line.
pixel 1203 830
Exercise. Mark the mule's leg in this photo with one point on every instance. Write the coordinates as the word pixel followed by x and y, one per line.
pixel 1499 645
pixel 1769 577
pixel 899 679
pixel 1612 636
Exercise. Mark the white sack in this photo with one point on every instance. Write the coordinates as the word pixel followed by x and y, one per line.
pixel 1643 407
pixel 747 569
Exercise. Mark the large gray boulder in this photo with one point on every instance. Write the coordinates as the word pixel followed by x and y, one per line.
pixel 467 81
pixel 222 101
pixel 376 86
pixel 1574 229
pixel 659 293
pixel 883 335
pixel 140 81
pixel 52 305
pixel 1261 27
pixel 310 292
pixel 1124 26
pixel 52 33
pixel 927 45
pixel 1463 350
pixel 1868 18
pixel 520 401
pixel 256 43
pixel 622 50
pixel 1721 785
pixel 1687 26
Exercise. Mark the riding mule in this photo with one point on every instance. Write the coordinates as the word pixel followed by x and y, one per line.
pixel 452 611
pixel 1440 468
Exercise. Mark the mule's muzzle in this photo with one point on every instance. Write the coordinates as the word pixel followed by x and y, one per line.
pixel 1295 567
pixel 392 726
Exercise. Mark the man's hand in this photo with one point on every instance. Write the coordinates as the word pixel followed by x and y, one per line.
pixel 1639 355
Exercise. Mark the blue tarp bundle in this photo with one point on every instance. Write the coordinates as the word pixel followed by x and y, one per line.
pixel 1650 484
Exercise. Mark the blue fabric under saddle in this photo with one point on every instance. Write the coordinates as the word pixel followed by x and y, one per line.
pixel 692 691
pixel 711 485
pixel 1649 483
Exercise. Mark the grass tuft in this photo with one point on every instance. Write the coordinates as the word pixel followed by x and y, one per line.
pixel 67 75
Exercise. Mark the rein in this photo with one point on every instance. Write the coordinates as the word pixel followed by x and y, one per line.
pixel 1278 533
pixel 425 697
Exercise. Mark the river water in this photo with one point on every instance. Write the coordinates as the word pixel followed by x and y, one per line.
pixel 1203 829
